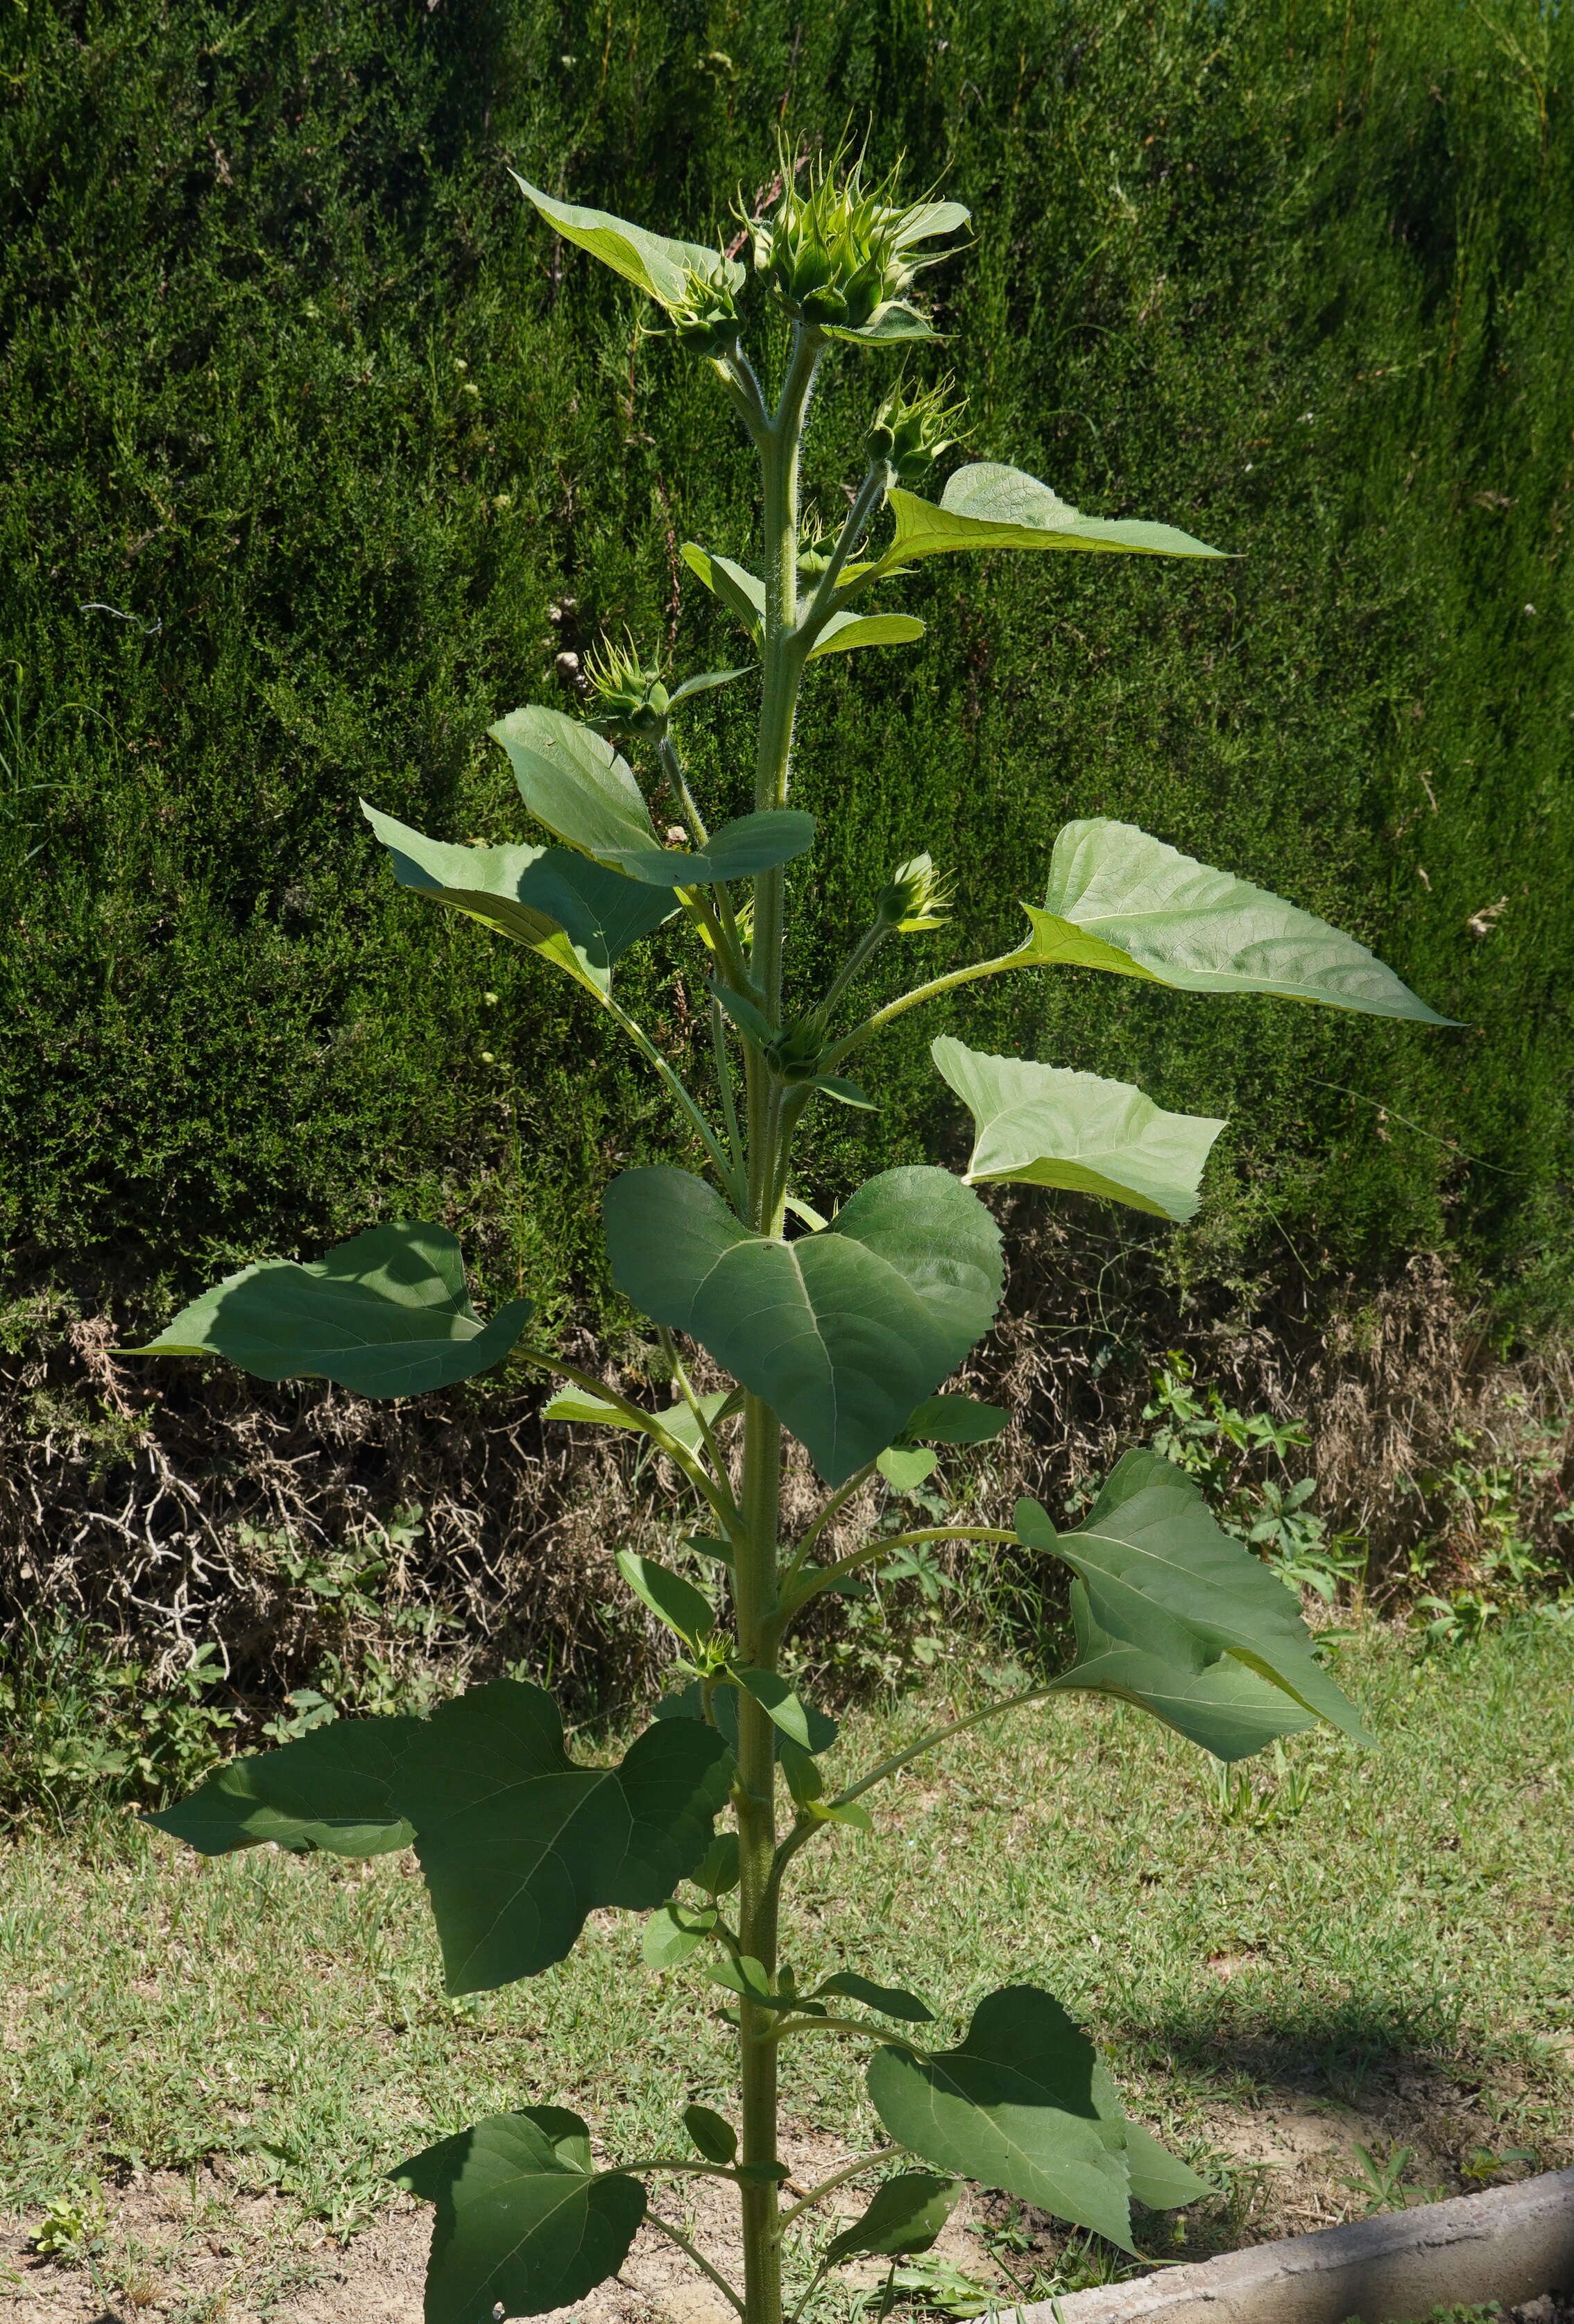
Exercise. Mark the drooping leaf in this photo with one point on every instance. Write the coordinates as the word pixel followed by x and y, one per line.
pixel 742 593
pixel 748 845
pixel 706 683
pixel 519 1844
pixel 904 1471
pixel 672 1933
pixel 807 1726
pixel 572 780
pixel 987 506
pixel 890 2000
pixel 386 1315
pixel 894 325
pixel 334 1789
pixel 571 910
pixel 956 1420
pixel 711 2132
pixel 1046 1126
pixel 1121 901
pixel 1162 1576
pixel 923 220
pixel 1024 2103
pixel 744 1013
pixel 842 1332
pixel 524 2222
pixel 654 262
pixel 844 1092
pixel 846 633
pixel 1225 1707
pixel 673 1600
pixel 905 2215
pixel 802 1770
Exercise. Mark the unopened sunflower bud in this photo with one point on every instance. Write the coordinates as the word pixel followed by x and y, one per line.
pixel 708 322
pixel 841 251
pixel 797 1050
pixel 628 697
pixel 915 897
pixel 913 431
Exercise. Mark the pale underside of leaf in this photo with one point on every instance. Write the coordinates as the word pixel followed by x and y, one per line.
pixel 655 263
pixel 1046 1126
pixel 987 506
pixel 572 780
pixel 1129 904
pixel 1226 1708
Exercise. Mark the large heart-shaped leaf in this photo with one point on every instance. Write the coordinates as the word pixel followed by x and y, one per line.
pixel 573 911
pixel 517 1843
pixel 842 1333
pixel 845 632
pixel 1121 901
pixel 386 1313
pixel 654 262
pixel 573 781
pixel 748 845
pixel 525 2223
pixel 1163 1577
pixel 1225 1707
pixel 1049 1127
pixel 1022 2104
pixel 987 506
pixel 905 2215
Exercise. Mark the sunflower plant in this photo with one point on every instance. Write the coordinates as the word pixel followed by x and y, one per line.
pixel 838 1332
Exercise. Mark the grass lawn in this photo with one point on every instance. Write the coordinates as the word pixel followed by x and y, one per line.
pixel 214 2062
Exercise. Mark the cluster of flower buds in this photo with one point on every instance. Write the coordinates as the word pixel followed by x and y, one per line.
pixel 912 432
pixel 632 699
pixel 841 252
pixel 917 897
pixel 708 322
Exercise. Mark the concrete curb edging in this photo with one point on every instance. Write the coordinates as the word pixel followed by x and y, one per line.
pixel 1510 2244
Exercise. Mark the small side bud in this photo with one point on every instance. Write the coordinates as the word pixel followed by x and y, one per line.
pixel 915 897
pixel 708 322
pixel 799 1048
pixel 631 698
pixel 912 432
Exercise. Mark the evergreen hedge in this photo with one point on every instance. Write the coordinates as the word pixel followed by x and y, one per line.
pixel 292 381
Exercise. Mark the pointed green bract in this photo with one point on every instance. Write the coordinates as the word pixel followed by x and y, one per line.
pixel 1017 2106
pixel 840 1331
pixel 386 1313
pixel 518 1843
pixel 1225 1707
pixel 332 1790
pixel 748 845
pixel 987 506
pixel 525 2223
pixel 1121 901
pixel 573 781
pixel 654 262
pixel 1163 1577
pixel 905 2215
pixel 1048 1126
pixel 574 912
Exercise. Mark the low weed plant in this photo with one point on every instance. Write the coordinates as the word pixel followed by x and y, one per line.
pixel 839 1333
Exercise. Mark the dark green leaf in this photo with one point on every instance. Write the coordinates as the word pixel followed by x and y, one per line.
pixel 956 1420
pixel 386 1313
pixel 748 845
pixel 1018 2105
pixel 1121 901
pixel 1046 1126
pixel 574 912
pixel 987 506
pixel 744 1013
pixel 906 2215
pixel 711 2131
pixel 1161 1576
pixel 688 1702
pixel 574 781
pixel 844 1092
pixel 334 1790
pixel 673 1932
pixel 891 2000
pixel 1223 1706
pixel 717 1870
pixel 840 1331
pixel 519 1844
pixel 523 2223
pixel 654 262
pixel 673 1600
pixel 802 1770
pixel 711 1544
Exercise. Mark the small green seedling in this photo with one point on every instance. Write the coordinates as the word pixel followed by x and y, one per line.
pixel 840 1332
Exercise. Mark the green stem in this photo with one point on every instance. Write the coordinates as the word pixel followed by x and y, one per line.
pixel 715 1490
pixel 873 1551
pixel 674 1083
pixel 838 1500
pixel 724 1083
pixel 899 1759
pixel 860 517
pixel 853 2170
pixel 672 765
pixel 786 2026
pixel 698 2258
pixel 685 1389
pixel 894 1008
